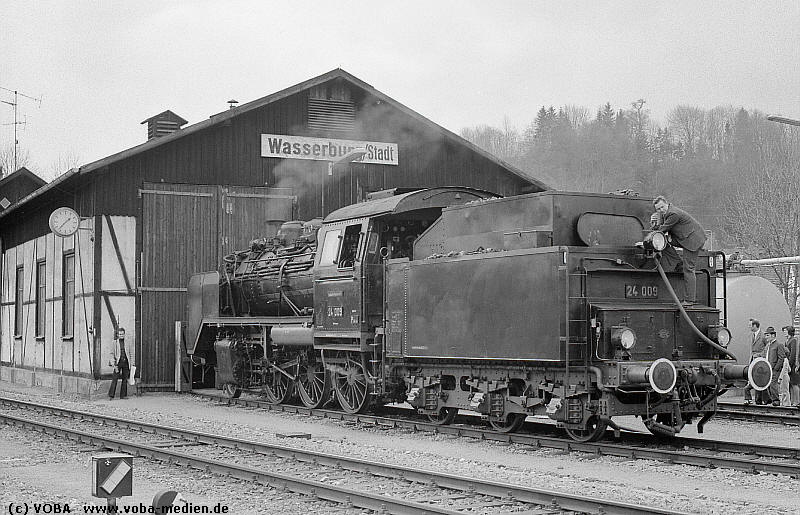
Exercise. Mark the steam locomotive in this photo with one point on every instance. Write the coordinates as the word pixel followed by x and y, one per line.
pixel 453 298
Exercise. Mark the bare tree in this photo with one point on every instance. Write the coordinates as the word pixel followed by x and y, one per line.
pixel 686 123
pixel 764 209
pixel 7 159
pixel 578 116
pixel 719 131
pixel 639 123
pixel 63 163
pixel 503 143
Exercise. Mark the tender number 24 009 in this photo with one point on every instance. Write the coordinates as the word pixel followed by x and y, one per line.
pixel 641 291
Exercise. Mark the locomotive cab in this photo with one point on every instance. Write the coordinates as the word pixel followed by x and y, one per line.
pixel 355 241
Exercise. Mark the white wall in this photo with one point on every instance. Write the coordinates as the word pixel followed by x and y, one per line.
pixel 113 281
pixel 53 351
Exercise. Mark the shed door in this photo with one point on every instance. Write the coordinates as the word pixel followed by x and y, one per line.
pixel 186 229
pixel 248 213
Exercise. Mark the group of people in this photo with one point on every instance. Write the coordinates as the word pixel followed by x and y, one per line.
pixel 784 358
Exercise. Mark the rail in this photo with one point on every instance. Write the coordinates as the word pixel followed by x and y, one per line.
pixel 472 489
pixel 632 445
pixel 785 415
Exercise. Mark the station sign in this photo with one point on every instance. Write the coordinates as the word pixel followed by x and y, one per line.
pixel 326 149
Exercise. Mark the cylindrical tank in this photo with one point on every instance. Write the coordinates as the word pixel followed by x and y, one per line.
pixel 751 296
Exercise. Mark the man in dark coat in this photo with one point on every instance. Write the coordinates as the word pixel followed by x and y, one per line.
pixel 794 365
pixel 776 354
pixel 122 369
pixel 688 234
pixel 758 348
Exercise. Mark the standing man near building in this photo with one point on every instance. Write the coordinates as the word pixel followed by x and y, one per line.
pixel 757 350
pixel 776 355
pixel 688 234
pixel 794 365
pixel 122 368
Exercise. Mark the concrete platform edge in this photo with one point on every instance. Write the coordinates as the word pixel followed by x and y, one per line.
pixel 80 386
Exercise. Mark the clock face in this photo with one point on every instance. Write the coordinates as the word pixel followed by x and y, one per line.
pixel 64 222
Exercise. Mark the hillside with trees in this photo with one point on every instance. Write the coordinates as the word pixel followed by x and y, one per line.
pixel 735 171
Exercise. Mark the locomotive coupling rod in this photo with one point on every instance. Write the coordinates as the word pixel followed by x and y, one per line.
pixel 677 301
pixel 282 371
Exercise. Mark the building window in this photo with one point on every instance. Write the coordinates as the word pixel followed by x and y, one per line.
pixel 41 292
pixel 18 300
pixel 68 294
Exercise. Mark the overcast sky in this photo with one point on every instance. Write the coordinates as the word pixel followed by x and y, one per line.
pixel 102 67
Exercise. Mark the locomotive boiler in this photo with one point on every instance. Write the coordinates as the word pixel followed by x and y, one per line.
pixel 453 298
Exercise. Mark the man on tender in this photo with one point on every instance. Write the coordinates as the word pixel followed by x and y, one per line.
pixel 688 234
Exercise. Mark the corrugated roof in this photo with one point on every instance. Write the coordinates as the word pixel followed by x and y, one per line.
pixel 255 104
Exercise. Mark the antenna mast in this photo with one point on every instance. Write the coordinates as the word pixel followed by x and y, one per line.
pixel 16 123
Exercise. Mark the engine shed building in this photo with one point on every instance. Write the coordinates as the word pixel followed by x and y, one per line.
pixel 154 214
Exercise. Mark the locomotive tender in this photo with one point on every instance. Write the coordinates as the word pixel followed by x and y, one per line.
pixel 451 298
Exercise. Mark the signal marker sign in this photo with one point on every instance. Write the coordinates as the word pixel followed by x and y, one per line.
pixel 112 475
pixel 115 478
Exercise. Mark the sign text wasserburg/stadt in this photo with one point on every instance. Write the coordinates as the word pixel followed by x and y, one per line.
pixel 326 149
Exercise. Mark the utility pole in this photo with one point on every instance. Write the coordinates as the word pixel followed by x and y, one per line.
pixel 16 123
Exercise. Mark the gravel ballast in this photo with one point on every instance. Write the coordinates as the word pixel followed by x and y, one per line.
pixel 676 487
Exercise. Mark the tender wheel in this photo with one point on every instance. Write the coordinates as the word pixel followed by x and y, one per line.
pixel 444 417
pixel 351 385
pixel 313 384
pixel 278 387
pixel 511 423
pixel 595 429
pixel 231 390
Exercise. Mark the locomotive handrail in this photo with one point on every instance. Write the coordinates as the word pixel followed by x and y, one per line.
pixel 278 256
pixel 697 331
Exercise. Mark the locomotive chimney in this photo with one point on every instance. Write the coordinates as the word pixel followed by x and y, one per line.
pixel 163 124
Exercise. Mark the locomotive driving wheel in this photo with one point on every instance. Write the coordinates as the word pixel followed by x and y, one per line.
pixel 313 384
pixel 278 386
pixel 444 417
pixel 508 423
pixel 595 429
pixel 351 384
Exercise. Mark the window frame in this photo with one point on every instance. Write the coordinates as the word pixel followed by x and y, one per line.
pixel 67 296
pixel 333 238
pixel 350 228
pixel 19 301
pixel 41 298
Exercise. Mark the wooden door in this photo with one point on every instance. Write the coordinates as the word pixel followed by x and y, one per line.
pixel 179 238
pixel 187 229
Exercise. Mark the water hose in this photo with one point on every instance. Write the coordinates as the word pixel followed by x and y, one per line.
pixel 703 337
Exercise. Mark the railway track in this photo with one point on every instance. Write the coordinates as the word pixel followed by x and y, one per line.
pixel 340 480
pixel 785 415
pixel 680 450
